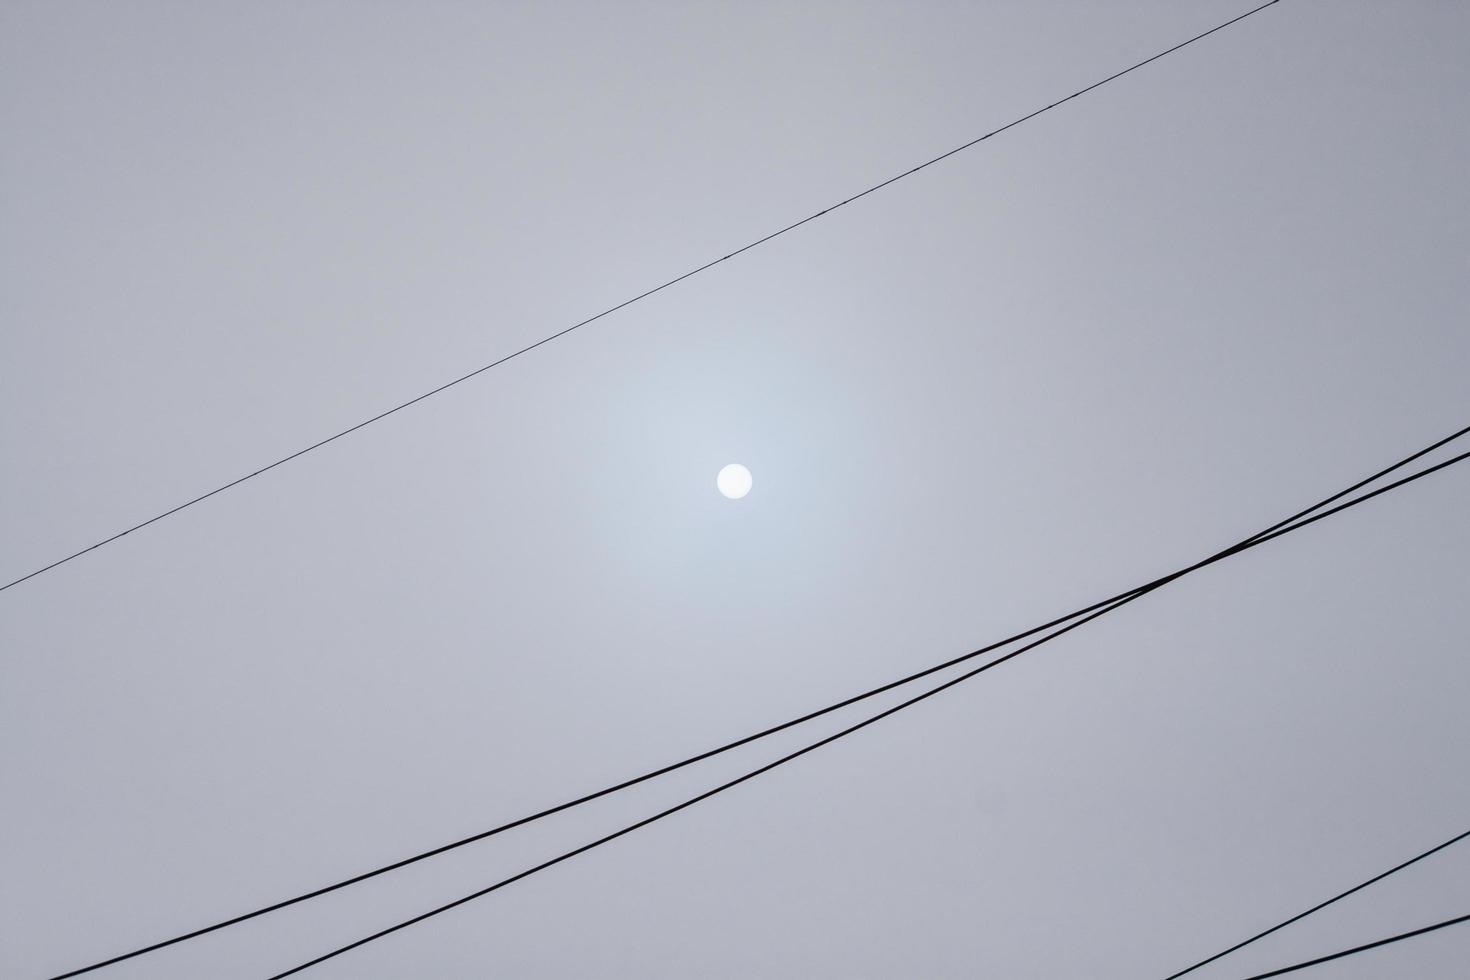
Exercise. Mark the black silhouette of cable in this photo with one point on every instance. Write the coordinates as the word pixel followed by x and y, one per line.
pixel 1358 949
pixel 652 774
pixel 1252 543
pixel 643 295
pixel 1319 907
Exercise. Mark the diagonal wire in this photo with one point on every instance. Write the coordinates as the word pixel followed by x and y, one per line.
pixel 652 774
pixel 629 302
pixel 1322 905
pixel 1358 949
pixel 708 793
pixel 1261 539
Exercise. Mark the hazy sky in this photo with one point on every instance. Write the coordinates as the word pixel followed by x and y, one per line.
pixel 1093 349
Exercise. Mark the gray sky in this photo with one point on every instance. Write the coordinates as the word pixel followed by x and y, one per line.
pixel 1096 348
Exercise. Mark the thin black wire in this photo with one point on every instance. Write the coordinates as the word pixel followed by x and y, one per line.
pixel 1319 907
pixel 761 734
pixel 850 729
pixel 1358 949
pixel 705 795
pixel 643 295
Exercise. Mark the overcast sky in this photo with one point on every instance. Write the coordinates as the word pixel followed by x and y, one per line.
pixel 1097 347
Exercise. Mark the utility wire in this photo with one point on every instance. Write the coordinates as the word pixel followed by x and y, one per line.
pixel 629 302
pixel 588 798
pixel 1319 907
pixel 852 728
pixel 705 795
pixel 1358 949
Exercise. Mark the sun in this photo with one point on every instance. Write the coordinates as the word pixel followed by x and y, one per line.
pixel 734 481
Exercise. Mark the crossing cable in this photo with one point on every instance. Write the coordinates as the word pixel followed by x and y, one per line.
pixel 853 728
pixel 1358 949
pixel 643 295
pixel 1256 538
pixel 1319 907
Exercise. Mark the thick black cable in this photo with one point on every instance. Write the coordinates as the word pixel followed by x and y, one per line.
pixel 728 746
pixel 853 728
pixel 708 793
pixel 1322 905
pixel 643 295
pixel 1358 949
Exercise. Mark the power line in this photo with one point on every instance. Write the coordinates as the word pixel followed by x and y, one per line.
pixel 705 795
pixel 629 302
pixel 1358 949
pixel 1319 907
pixel 1256 538
pixel 844 732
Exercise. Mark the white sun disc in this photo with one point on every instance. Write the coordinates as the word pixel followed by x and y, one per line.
pixel 734 481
